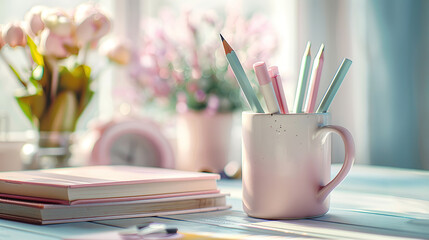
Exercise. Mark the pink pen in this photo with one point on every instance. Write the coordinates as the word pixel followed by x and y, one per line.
pixel 278 88
pixel 266 87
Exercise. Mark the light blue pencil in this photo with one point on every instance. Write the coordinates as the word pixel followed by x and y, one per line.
pixel 335 85
pixel 302 81
pixel 242 78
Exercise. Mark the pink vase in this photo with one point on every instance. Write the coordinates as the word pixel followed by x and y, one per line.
pixel 203 141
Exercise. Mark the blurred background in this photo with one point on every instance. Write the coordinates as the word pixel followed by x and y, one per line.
pixel 383 100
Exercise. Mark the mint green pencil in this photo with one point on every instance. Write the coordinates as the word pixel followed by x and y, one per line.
pixel 241 78
pixel 335 85
pixel 302 81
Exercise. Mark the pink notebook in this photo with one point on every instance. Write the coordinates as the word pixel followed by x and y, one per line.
pixel 101 182
pixel 41 213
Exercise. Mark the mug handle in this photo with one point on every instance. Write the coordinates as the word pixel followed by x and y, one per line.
pixel 349 159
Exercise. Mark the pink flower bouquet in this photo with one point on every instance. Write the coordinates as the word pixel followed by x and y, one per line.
pixel 55 83
pixel 183 65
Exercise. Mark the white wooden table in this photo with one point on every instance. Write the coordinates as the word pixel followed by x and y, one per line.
pixel 372 203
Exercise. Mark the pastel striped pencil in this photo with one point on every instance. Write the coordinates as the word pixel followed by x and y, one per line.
pixel 313 84
pixel 302 81
pixel 241 77
pixel 335 85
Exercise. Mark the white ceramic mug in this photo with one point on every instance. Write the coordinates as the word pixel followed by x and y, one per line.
pixel 287 164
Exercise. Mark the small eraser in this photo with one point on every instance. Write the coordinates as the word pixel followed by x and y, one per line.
pixel 273 71
pixel 261 73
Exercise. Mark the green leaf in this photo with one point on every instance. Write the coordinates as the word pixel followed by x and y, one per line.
pixel 194 104
pixel 68 81
pixel 37 104
pixel 86 70
pixel 26 109
pixel 37 57
pixel 76 80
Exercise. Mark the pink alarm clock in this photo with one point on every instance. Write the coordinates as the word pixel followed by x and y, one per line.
pixel 131 141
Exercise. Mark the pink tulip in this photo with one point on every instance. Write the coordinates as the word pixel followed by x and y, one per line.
pixel 91 23
pixel 58 21
pixel 118 51
pixel 14 35
pixel 54 45
pixel 34 20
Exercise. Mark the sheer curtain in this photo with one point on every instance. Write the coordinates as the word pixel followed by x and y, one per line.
pixel 398 110
pixel 384 99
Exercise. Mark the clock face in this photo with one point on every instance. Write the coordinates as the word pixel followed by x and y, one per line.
pixel 132 142
pixel 134 149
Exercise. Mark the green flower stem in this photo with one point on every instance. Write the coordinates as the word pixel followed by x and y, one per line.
pixel 13 69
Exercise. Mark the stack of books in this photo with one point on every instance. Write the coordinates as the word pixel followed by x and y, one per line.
pixel 105 192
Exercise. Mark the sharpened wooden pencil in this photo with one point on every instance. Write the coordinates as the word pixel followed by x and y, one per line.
pixel 241 77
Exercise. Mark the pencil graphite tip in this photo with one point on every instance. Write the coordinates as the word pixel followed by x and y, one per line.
pixel 225 44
